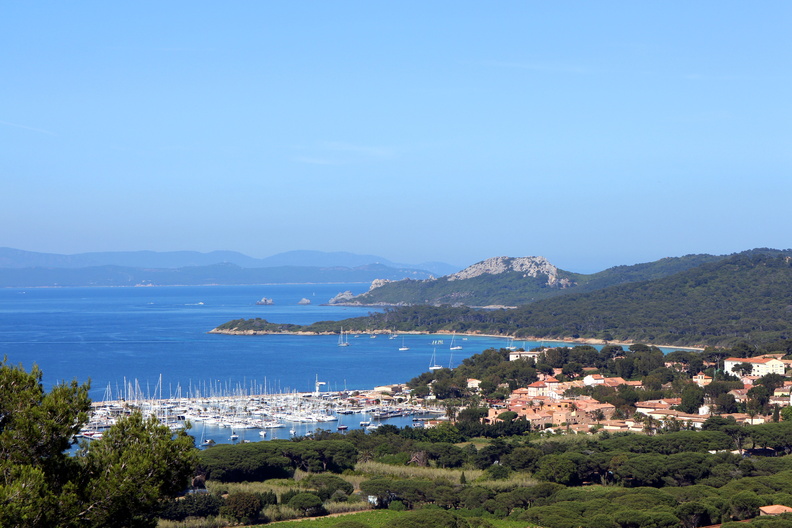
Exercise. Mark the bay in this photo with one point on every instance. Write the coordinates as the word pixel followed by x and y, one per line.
pixel 117 336
pixel 156 340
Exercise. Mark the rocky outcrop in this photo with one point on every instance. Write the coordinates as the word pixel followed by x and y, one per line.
pixel 376 283
pixel 528 266
pixel 342 298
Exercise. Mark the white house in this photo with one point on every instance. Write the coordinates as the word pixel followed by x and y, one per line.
pixel 761 365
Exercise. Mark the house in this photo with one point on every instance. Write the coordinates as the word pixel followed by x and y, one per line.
pixel 774 509
pixel 702 380
pixel 761 365
pixel 514 355
pixel 473 383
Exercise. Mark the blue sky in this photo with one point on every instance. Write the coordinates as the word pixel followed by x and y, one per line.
pixel 594 134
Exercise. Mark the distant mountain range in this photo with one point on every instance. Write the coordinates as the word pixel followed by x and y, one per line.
pixel 20 268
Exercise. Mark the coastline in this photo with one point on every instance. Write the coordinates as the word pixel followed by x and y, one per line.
pixel 565 340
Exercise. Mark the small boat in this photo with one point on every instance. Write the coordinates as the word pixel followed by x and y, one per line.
pixel 233 436
pixel 453 346
pixel 343 427
pixel 265 301
pixel 433 363
pixel 365 424
pixel 262 433
pixel 293 431
pixel 403 347
pixel 343 339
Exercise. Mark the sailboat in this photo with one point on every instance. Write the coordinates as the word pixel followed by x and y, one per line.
pixel 206 442
pixel 454 347
pixel 404 347
pixel 433 363
pixel 343 339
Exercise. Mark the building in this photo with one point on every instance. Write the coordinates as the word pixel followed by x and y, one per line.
pixel 514 355
pixel 762 365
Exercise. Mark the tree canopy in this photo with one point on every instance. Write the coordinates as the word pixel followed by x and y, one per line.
pixel 119 480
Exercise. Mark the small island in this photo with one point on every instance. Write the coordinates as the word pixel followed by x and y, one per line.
pixel 265 301
pixel 304 301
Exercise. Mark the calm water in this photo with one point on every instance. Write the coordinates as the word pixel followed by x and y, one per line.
pixel 114 336
pixel 118 337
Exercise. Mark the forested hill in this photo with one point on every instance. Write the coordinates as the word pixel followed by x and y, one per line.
pixel 504 281
pixel 745 297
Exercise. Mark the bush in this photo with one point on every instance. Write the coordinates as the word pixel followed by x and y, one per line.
pixel 308 503
pixel 196 505
pixel 242 506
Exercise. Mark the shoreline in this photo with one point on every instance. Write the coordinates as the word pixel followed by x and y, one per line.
pixel 564 340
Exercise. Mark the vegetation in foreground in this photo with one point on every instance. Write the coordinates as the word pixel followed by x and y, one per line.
pixel 120 480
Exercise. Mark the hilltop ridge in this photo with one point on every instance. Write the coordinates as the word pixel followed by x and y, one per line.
pixel 513 281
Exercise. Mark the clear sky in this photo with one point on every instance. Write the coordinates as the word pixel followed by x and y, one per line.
pixel 592 133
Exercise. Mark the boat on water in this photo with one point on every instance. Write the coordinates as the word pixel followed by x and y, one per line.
pixel 343 339
pixel 403 347
pixel 433 362
pixel 265 301
pixel 453 346
pixel 343 427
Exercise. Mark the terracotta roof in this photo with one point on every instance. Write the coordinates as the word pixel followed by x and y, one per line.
pixel 775 509
pixel 752 360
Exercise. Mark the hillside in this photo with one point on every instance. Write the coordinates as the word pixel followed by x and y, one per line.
pixel 506 281
pixel 745 297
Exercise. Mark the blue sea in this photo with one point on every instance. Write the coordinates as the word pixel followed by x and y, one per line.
pixel 116 337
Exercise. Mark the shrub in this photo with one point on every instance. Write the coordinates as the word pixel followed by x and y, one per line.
pixel 197 505
pixel 308 503
pixel 242 506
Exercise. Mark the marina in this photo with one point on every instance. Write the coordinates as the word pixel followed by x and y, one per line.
pixel 248 417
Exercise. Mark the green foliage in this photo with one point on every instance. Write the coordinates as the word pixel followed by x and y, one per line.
pixel 327 485
pixel 742 297
pixel 514 288
pixel 428 518
pixel 119 480
pixel 135 464
pixel 276 459
pixel 242 506
pixel 194 505
pixel 308 503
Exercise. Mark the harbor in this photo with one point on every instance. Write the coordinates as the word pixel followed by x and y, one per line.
pixel 245 417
